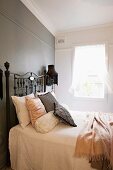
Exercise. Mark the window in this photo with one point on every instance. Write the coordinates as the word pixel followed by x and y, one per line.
pixel 89 68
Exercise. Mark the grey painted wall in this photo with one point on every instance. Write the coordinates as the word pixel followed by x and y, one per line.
pixel 26 44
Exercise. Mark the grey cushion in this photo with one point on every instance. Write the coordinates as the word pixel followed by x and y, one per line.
pixel 48 101
pixel 63 114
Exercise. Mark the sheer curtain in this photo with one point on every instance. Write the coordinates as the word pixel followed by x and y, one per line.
pixel 89 66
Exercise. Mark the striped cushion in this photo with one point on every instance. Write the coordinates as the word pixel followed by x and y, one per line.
pixel 48 101
pixel 63 114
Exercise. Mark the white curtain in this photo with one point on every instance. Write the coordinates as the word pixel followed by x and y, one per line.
pixel 88 60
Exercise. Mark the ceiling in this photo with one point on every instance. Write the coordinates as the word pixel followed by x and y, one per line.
pixel 64 15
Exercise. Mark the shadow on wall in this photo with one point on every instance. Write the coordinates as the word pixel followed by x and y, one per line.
pixel 2 132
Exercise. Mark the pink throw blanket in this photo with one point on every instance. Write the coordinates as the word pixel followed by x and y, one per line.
pixel 96 140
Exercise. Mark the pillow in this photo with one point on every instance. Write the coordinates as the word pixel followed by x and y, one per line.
pixel 65 106
pixel 21 109
pixel 42 93
pixel 48 101
pixel 36 108
pixel 46 123
pixel 63 114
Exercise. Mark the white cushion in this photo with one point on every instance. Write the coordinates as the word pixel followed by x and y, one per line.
pixel 46 122
pixel 21 109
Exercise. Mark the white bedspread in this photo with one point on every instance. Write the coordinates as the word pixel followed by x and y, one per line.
pixel 30 150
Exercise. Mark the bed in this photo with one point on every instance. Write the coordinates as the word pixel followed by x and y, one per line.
pixel 29 150
pixel 50 151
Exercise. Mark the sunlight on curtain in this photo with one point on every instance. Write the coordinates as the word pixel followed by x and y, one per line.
pixel 89 68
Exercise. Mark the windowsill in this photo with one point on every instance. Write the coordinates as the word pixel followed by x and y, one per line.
pixel 89 99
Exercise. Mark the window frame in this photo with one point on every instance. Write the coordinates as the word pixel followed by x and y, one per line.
pixel 105 99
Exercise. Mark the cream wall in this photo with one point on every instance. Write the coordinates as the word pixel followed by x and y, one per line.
pixel 63 60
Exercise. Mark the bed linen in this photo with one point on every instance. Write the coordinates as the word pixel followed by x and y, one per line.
pixel 30 150
pixel 96 140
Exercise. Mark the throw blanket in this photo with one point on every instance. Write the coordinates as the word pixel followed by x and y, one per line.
pixel 96 139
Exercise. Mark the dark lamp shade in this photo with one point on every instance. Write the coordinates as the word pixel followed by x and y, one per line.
pixel 52 75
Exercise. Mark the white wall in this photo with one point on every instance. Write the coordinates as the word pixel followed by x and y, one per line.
pixel 63 63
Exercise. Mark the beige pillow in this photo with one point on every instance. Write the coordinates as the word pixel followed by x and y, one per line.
pixel 36 108
pixel 21 109
pixel 46 123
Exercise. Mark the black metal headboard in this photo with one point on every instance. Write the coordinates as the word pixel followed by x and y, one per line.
pixel 23 85
pixel 28 83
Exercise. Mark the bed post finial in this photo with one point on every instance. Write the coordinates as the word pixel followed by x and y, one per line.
pixel 6 64
pixel 7 74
